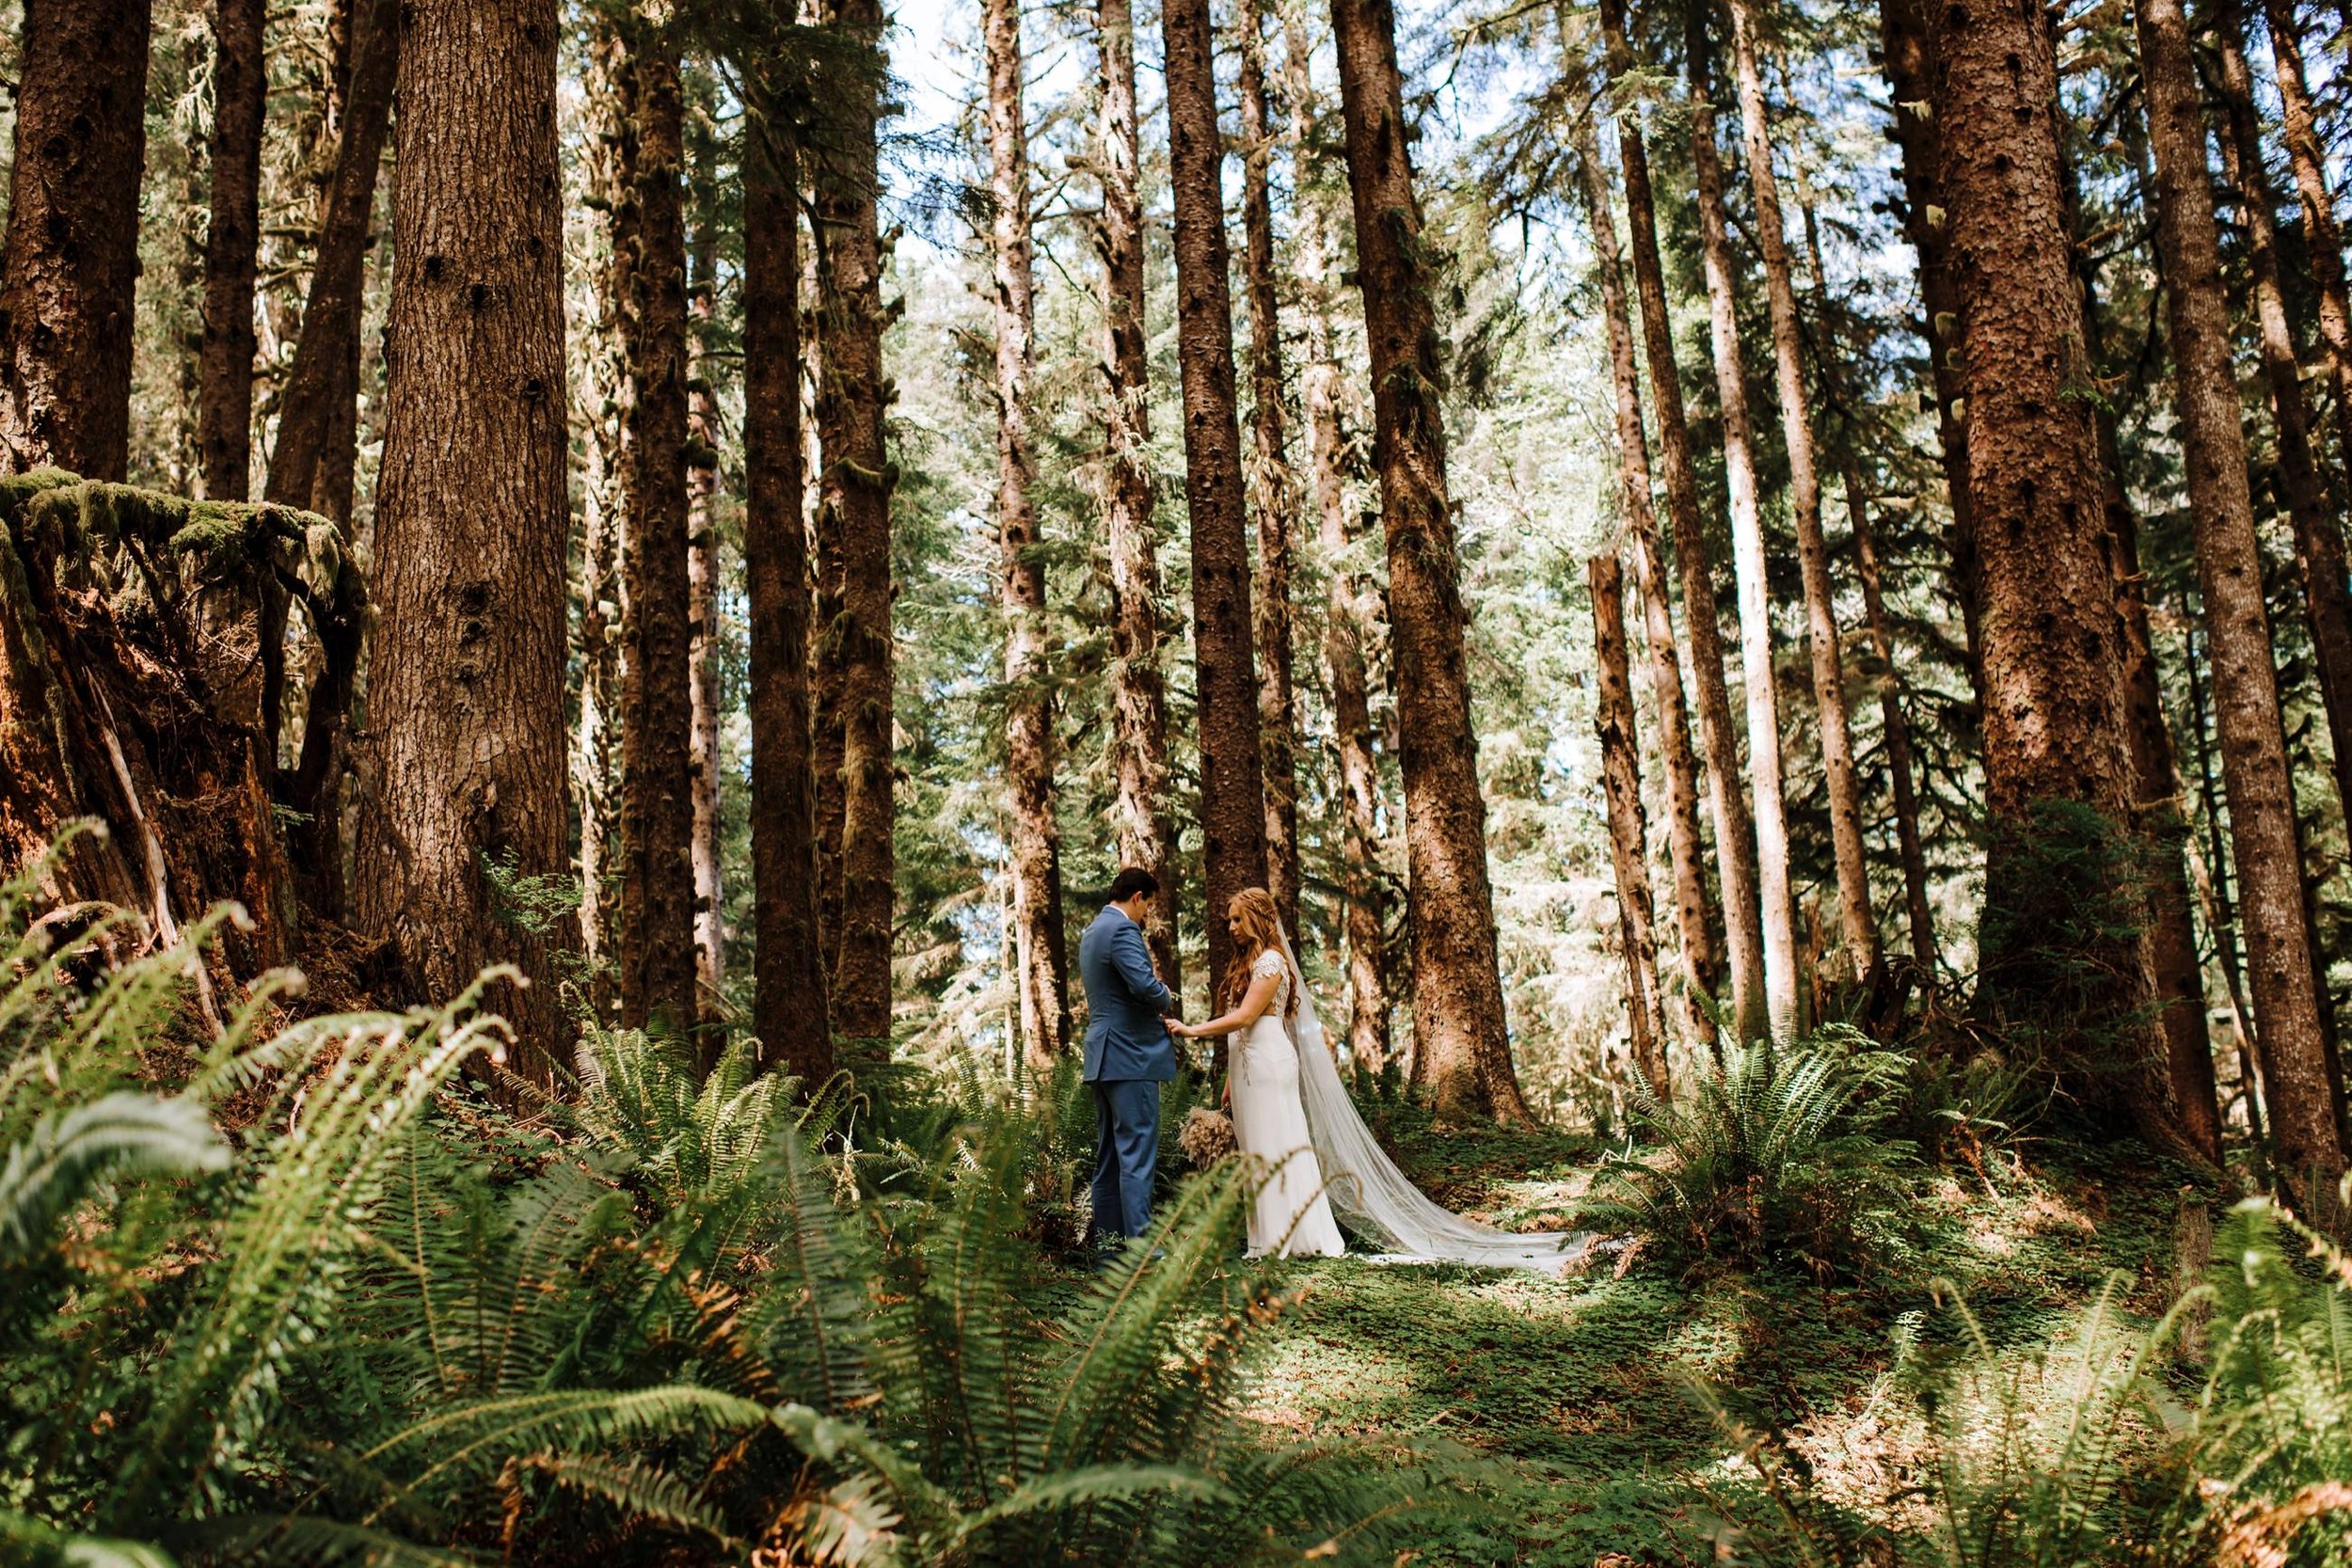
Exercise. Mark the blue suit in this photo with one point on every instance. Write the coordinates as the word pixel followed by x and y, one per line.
pixel 1129 1055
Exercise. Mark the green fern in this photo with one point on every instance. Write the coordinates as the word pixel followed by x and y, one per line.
pixel 1775 1154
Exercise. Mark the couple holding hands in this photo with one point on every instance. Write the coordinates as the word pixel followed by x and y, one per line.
pixel 1130 1052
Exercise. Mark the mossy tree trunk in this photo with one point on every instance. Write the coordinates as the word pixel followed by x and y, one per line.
pixel 1146 829
pixel 1351 608
pixel 1629 838
pixel 1273 490
pixel 1233 783
pixel 789 1011
pixel 224 402
pixel 2062 962
pixel 655 944
pixel 465 685
pixel 71 260
pixel 1462 1046
pixel 1041 973
pixel 2309 1141
pixel 853 403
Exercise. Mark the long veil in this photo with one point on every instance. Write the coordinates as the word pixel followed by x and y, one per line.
pixel 1373 1197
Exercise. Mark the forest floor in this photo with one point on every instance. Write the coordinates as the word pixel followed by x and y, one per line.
pixel 1576 1395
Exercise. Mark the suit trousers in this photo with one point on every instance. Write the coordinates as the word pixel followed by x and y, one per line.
pixel 1126 1155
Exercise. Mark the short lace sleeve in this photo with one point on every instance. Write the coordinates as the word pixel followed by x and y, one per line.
pixel 1269 963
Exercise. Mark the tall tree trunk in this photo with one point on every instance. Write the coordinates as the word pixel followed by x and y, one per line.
pixel 2318 543
pixel 1734 828
pixel 1040 974
pixel 466 687
pixel 1902 769
pixel 2323 238
pixel 591 734
pixel 1274 494
pixel 2213 889
pixel 788 1004
pixel 1621 774
pixel 1776 914
pixel 1351 603
pixel 224 402
pixel 313 461
pixel 1694 914
pixel 2177 977
pixel 1804 504
pixel 2180 991
pixel 2061 787
pixel 325 375
pixel 656 942
pixel 71 256
pixel 852 405
pixel 1460 1028
pixel 702 603
pixel 2253 743
pixel 1232 787
pixel 1146 829
pixel 1907 48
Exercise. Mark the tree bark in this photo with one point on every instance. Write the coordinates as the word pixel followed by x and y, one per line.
pixel 1695 912
pixel 224 402
pixel 702 605
pixel 2174 969
pixel 1776 914
pixel 1844 786
pixel 2323 238
pixel 325 375
pixel 1901 768
pixel 656 942
pixel 312 463
pixel 1734 828
pixel 1909 55
pixel 1146 829
pixel 852 403
pixel 789 1011
pixel 1041 973
pixel 465 688
pixel 2180 991
pixel 1274 493
pixel 1233 786
pixel 71 257
pixel 1621 776
pixel 2245 699
pixel 1351 604
pixel 2061 787
pixel 2318 543
pixel 1460 1033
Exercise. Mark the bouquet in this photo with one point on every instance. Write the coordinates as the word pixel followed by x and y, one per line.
pixel 1206 1137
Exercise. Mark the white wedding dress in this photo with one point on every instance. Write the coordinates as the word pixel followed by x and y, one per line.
pixel 1291 1216
pixel 1356 1179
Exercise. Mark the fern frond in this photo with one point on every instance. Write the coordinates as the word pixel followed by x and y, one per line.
pixel 71 1152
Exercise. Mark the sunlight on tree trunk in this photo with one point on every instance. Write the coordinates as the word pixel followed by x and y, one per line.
pixel 1461 1037
pixel 1621 776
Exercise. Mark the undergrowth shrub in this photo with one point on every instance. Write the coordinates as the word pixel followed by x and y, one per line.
pixel 377 1319
pixel 1770 1155
pixel 2088 1451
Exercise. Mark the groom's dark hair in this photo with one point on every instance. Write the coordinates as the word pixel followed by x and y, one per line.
pixel 1132 881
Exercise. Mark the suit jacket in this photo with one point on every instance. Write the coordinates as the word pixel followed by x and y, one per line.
pixel 1125 1002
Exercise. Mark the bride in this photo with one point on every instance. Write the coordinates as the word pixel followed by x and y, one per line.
pixel 1290 1111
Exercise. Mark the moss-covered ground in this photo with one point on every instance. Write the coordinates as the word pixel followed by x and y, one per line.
pixel 1574 1395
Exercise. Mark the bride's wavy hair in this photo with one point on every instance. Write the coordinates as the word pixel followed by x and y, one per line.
pixel 1261 932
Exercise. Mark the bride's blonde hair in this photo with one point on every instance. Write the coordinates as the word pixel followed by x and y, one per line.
pixel 1261 932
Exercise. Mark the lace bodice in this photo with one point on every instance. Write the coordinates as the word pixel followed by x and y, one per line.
pixel 1270 962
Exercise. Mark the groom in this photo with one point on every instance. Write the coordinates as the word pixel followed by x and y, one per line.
pixel 1129 1055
